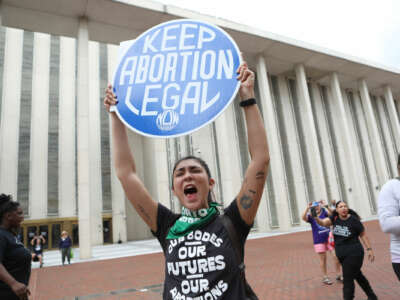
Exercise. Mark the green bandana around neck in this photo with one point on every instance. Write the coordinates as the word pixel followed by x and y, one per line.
pixel 191 220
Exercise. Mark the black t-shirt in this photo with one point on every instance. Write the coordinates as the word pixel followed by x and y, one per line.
pixel 346 233
pixel 15 258
pixel 202 265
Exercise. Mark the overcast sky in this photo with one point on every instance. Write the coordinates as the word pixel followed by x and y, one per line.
pixel 369 29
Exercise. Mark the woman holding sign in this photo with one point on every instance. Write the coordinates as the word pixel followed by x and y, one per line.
pixel 200 252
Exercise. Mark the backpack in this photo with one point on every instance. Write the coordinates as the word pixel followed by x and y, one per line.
pixel 226 221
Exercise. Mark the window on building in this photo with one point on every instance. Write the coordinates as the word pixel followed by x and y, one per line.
pixel 2 44
pixel 25 122
pixel 379 121
pixel 397 105
pixel 52 166
pixel 105 132
pixel 391 141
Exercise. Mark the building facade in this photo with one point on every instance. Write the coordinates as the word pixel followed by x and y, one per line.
pixel 332 124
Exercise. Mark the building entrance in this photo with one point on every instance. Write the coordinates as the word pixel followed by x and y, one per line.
pixel 51 229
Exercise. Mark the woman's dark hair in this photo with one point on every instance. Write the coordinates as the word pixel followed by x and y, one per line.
pixel 398 160
pixel 203 164
pixel 7 205
pixel 335 214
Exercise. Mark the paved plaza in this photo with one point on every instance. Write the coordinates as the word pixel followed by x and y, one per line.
pixel 282 267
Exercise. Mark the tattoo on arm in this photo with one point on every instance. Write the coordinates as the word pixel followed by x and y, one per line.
pixel 260 175
pixel 246 201
pixel 144 212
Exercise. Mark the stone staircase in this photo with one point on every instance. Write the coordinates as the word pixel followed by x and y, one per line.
pixel 101 252
pixel 110 251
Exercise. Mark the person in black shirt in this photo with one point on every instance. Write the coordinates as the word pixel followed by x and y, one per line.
pixel 15 259
pixel 347 232
pixel 199 255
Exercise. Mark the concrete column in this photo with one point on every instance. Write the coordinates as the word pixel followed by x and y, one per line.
pixel 84 203
pixel 216 172
pixel 388 142
pixel 356 155
pixel 136 227
pixel 10 111
pixel 160 172
pixel 117 193
pixel 326 148
pixel 155 173
pixel 67 142
pixel 313 152
pixel 277 167
pixel 369 155
pixel 95 184
pixel 393 117
pixel 347 154
pixel 228 155
pixel 263 213
pixel 373 133
pixel 294 172
pixel 203 142
pixel 39 126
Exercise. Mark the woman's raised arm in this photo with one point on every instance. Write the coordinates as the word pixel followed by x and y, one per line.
pixel 252 188
pixel 125 168
pixel 326 222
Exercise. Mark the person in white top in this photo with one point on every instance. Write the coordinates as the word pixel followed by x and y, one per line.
pixel 389 216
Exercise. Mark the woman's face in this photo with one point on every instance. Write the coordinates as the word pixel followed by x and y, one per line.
pixel 191 184
pixel 342 209
pixel 16 217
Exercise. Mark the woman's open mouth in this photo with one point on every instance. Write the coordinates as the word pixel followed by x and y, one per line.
pixel 190 192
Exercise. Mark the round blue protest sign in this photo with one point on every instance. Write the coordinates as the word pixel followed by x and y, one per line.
pixel 176 77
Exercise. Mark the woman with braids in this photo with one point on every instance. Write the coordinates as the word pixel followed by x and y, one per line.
pixel 200 261
pixel 15 259
pixel 347 232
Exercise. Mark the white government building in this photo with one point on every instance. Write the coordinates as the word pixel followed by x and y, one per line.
pixel 332 123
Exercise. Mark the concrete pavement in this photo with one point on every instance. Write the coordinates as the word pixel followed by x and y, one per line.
pixel 277 267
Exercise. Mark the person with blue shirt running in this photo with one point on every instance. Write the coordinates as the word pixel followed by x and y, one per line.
pixel 320 237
